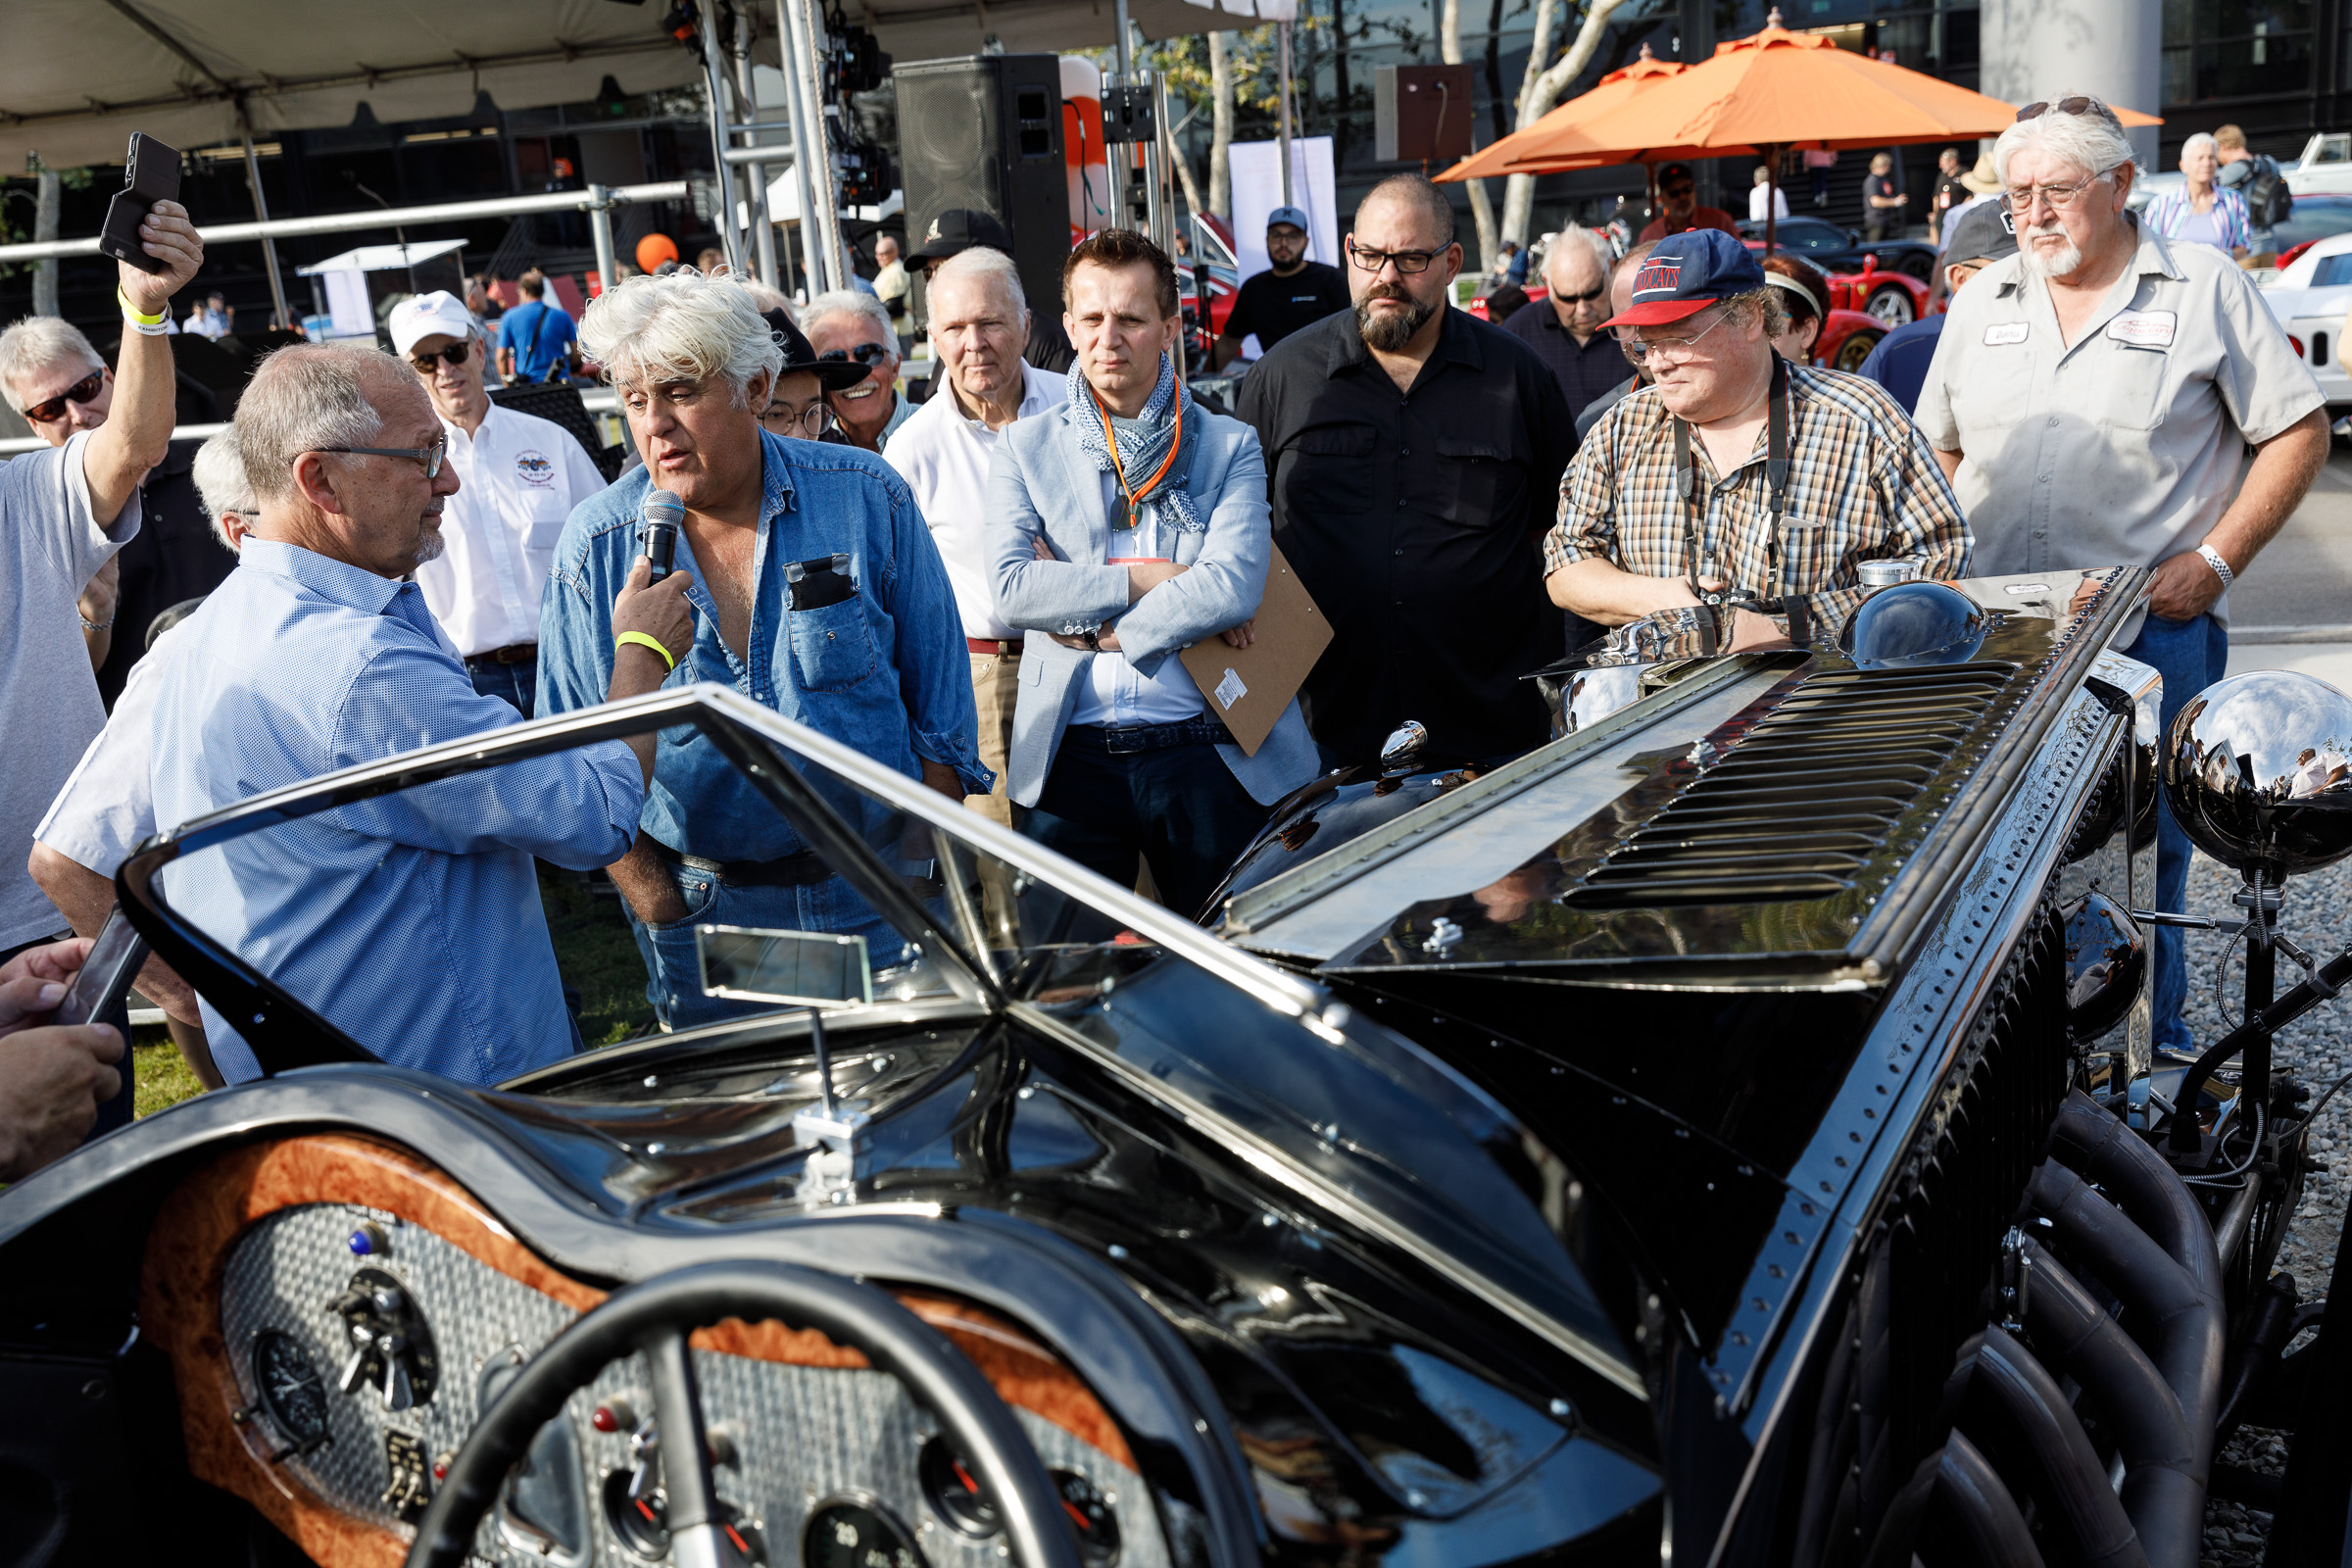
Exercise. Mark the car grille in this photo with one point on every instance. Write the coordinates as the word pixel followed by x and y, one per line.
pixel 1808 795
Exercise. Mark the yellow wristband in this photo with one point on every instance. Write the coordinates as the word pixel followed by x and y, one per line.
pixel 643 641
pixel 133 311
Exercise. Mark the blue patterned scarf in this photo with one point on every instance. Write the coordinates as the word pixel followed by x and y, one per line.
pixel 1172 496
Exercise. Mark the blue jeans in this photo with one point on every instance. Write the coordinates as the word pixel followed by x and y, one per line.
pixel 674 976
pixel 517 684
pixel 2191 655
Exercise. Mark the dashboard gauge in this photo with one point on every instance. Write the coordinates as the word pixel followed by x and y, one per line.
pixel 290 1389
pixel 847 1534
pixel 643 1523
pixel 953 1491
pixel 1090 1514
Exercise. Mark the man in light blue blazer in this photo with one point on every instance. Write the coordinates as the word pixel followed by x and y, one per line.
pixel 1124 525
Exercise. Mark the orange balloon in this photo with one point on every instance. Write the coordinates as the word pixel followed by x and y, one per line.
pixel 653 250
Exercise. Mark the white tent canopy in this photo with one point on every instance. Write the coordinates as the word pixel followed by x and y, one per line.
pixel 77 76
pixel 383 257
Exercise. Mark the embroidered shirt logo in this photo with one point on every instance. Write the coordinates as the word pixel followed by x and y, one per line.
pixel 532 468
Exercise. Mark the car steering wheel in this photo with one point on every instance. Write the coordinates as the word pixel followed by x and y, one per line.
pixel 655 1317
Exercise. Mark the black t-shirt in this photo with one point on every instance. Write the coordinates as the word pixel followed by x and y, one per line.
pixel 174 558
pixel 1275 307
pixel 1876 187
pixel 1950 193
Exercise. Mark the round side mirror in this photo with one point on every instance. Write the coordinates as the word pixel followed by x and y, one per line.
pixel 2258 772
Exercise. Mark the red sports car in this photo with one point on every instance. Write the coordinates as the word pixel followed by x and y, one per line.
pixel 1848 334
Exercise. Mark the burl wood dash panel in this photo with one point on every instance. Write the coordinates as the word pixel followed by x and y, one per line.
pixel 180 1296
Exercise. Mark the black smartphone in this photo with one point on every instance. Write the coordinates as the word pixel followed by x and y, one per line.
pixel 817 583
pixel 152 176
pixel 105 976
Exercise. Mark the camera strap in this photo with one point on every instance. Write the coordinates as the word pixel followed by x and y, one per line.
pixel 1777 417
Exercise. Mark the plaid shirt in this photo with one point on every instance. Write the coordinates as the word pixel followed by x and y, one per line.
pixel 1863 485
pixel 2171 209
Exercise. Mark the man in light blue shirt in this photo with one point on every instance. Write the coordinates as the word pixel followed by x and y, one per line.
pixel 823 597
pixel 411 922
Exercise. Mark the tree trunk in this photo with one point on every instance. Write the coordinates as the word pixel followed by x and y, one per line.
pixel 1494 71
pixel 44 228
pixel 1543 91
pixel 1220 143
pixel 1482 210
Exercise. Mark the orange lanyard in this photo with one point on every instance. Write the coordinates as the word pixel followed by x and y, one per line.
pixel 1111 438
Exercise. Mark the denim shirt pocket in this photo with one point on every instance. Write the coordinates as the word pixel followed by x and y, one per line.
pixel 833 647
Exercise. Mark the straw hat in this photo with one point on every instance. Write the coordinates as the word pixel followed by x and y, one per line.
pixel 1982 179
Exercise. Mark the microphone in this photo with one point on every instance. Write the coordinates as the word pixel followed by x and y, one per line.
pixel 657 532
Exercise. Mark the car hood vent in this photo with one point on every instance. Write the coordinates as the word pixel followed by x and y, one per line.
pixel 1807 796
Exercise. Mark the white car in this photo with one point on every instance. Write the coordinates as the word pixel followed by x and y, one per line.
pixel 2309 298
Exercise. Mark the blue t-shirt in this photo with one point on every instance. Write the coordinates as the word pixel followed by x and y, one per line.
pixel 538 334
pixel 1900 363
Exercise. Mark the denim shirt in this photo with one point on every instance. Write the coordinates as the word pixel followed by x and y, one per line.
pixel 884 671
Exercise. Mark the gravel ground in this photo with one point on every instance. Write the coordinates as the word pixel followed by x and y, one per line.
pixel 2318 915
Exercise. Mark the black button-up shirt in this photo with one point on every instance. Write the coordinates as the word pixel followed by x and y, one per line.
pixel 1413 519
pixel 1584 371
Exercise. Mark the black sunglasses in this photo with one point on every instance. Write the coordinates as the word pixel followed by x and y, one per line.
pixel 455 354
pixel 82 391
pixel 2065 106
pixel 1675 190
pixel 865 354
pixel 1589 294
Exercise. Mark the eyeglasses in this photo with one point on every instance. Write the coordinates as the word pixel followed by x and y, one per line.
pixel 868 355
pixel 1673 349
pixel 431 457
pixel 1584 298
pixel 1409 264
pixel 455 354
pixel 2061 196
pixel 809 423
pixel 1675 193
pixel 2065 106
pixel 82 391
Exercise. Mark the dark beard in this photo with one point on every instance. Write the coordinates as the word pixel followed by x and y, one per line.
pixel 1391 333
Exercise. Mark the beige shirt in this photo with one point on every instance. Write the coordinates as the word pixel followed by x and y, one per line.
pixel 2125 448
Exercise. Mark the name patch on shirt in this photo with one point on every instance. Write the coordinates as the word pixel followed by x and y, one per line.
pixel 532 466
pixel 2003 333
pixel 2144 329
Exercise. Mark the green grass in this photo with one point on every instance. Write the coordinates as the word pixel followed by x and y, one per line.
pixel 594 952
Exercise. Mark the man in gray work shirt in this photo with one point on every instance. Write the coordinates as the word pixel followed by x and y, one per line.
pixel 2091 398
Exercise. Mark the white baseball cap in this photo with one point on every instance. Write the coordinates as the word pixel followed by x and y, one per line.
pixel 427 315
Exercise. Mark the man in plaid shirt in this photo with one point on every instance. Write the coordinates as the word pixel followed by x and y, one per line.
pixel 1862 484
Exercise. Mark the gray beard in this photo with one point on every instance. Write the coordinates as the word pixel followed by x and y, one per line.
pixel 1391 333
pixel 2066 264
pixel 429 547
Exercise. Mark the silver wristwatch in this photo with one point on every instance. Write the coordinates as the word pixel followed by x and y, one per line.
pixel 2220 567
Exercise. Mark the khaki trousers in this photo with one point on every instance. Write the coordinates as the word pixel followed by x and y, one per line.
pixel 996 687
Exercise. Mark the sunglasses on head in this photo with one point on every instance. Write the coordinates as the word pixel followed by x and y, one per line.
pixel 2065 106
pixel 866 354
pixel 82 391
pixel 455 354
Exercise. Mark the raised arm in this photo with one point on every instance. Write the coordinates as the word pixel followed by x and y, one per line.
pixel 138 429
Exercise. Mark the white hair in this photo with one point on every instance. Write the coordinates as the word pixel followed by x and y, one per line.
pixel 2091 141
pixel 850 302
pixel 981 260
pixel 304 398
pixel 766 299
pixel 1603 256
pixel 682 327
pixel 2201 142
pixel 35 344
pixel 221 482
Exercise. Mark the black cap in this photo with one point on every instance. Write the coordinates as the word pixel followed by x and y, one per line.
pixel 1667 172
pixel 833 375
pixel 959 229
pixel 1982 234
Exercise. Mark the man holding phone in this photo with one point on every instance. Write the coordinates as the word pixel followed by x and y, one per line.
pixel 64 512
pixel 54 1078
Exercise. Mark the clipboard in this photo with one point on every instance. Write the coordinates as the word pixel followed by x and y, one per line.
pixel 1249 687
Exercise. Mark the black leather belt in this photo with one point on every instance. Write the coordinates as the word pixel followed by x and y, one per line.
pixel 513 654
pixel 1129 738
pixel 800 870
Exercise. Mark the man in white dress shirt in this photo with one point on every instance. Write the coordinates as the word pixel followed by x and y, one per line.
pixel 979 320
pixel 519 479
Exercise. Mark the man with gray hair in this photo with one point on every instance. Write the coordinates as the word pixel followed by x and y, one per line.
pixel 979 320
pixel 846 325
pixel 2091 398
pixel 319 654
pixel 518 477
pixel 820 596
pixel 1564 330
pixel 108 807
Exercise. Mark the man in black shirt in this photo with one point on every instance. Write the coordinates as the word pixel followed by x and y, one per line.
pixel 1564 330
pixel 1949 193
pixel 1414 456
pixel 1293 292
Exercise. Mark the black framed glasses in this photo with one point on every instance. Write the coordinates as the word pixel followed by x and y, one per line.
pixel 431 457
pixel 1409 264
pixel 54 408
pixel 455 354
pixel 868 355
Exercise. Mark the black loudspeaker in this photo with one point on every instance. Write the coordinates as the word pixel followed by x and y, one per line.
pixel 984 132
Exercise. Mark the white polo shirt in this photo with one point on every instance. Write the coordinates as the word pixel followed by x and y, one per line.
pixel 518 477
pixel 943 456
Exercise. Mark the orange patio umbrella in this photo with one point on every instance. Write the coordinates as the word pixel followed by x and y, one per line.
pixel 1612 90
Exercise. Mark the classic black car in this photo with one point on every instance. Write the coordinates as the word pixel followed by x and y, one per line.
pixel 1726 1133
pixel 1837 249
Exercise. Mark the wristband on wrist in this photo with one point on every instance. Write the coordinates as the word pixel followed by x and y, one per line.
pixel 89 625
pixel 644 641
pixel 2220 567
pixel 132 313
